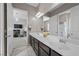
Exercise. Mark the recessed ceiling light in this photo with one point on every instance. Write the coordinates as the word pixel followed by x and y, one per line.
pixel 17 19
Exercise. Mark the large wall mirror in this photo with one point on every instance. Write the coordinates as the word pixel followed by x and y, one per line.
pixel 64 25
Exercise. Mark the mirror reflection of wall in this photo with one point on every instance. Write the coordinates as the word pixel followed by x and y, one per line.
pixel 46 26
pixel 46 23
pixel 53 25
pixel 63 26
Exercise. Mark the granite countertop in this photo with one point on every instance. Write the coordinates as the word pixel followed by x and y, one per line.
pixel 67 49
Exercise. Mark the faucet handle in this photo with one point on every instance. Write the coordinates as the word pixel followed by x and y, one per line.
pixel 62 41
pixel 68 35
pixel 71 33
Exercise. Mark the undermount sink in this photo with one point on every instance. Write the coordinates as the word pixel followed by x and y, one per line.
pixel 63 47
pixel 52 38
pixel 40 34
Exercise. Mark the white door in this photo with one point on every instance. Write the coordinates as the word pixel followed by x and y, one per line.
pixel 1 29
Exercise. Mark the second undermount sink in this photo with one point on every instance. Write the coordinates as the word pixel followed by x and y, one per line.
pixel 40 34
pixel 52 38
pixel 63 47
pixel 63 44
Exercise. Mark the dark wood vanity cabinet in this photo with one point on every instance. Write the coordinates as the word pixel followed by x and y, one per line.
pixel 30 37
pixel 36 47
pixel 41 49
pixel 34 44
pixel 54 53
pixel 42 52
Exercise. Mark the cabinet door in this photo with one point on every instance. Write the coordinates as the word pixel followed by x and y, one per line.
pixel 44 47
pixel 42 52
pixel 32 42
pixel 36 45
pixel 36 41
pixel 53 53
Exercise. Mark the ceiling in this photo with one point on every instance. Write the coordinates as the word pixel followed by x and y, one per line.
pixel 61 8
pixel 33 4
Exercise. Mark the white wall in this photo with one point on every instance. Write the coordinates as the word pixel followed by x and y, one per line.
pixel 36 24
pixel 1 29
pixel 75 22
pixel 22 17
pixel 53 25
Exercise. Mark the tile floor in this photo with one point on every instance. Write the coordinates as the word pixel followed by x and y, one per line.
pixel 23 51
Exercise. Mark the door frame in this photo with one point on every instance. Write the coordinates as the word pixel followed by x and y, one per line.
pixel 5 29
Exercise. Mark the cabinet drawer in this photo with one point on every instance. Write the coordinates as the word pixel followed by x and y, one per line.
pixel 54 53
pixel 42 52
pixel 44 47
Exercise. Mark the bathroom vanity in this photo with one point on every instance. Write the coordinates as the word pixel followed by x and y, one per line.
pixel 41 49
pixel 51 46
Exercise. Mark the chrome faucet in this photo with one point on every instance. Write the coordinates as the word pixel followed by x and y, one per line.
pixel 63 40
pixel 68 35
